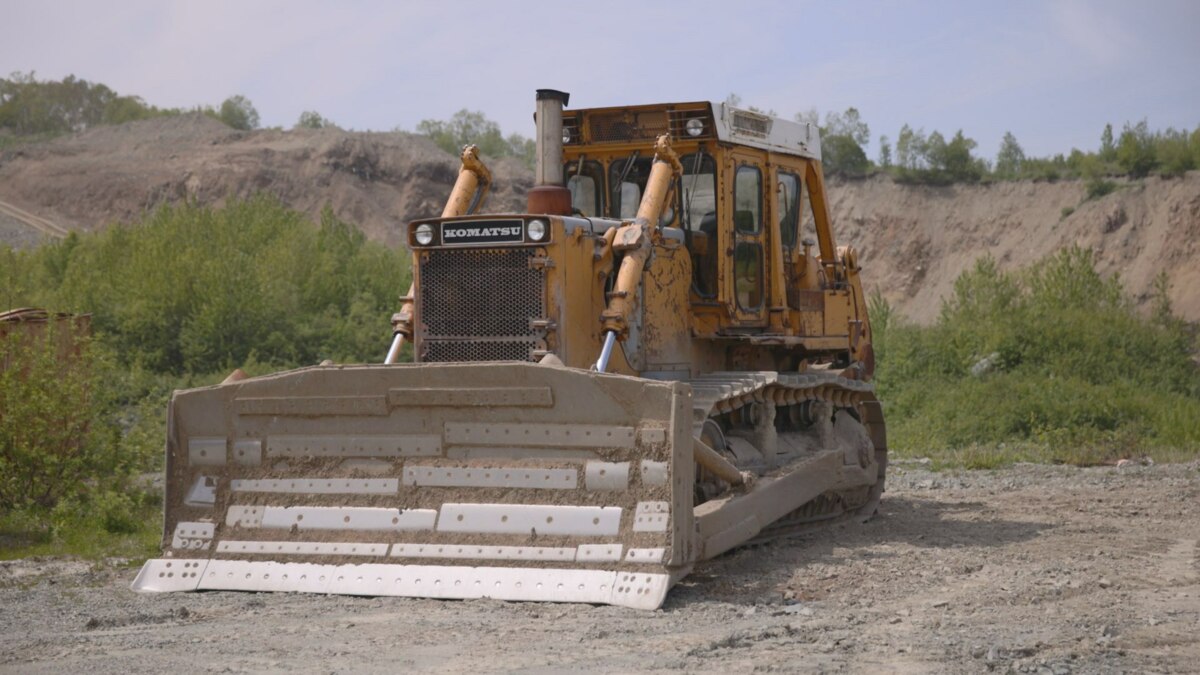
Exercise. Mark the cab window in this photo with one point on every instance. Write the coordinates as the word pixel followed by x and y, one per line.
pixel 747 262
pixel 585 180
pixel 628 177
pixel 700 192
pixel 789 208
pixel 698 188
pixel 808 222
pixel 747 200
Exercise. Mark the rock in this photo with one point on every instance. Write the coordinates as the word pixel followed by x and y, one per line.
pixel 797 608
pixel 1104 582
pixel 985 365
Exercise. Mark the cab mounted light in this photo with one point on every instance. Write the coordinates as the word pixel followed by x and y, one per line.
pixel 694 126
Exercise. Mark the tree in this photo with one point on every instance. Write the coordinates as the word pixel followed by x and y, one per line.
pixel 842 156
pixel 957 161
pixel 471 126
pixel 885 152
pixel 850 124
pixel 810 116
pixel 29 106
pixel 311 119
pixel 238 112
pixel 1010 158
pixel 1108 151
pixel 1135 150
pixel 1173 153
pixel 910 149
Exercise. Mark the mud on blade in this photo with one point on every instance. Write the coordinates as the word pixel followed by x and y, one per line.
pixel 505 480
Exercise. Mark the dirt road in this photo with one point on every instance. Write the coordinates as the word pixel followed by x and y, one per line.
pixel 1030 569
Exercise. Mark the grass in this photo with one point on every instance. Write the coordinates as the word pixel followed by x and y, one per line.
pixel 1001 455
pixel 26 534
pixel 1051 364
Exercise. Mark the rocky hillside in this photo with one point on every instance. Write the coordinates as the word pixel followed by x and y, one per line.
pixel 113 174
pixel 913 240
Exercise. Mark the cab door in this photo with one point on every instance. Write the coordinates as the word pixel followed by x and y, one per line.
pixel 746 253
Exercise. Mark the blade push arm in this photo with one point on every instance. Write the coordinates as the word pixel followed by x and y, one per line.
pixel 634 239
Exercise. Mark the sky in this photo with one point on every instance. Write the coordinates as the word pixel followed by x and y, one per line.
pixel 1052 72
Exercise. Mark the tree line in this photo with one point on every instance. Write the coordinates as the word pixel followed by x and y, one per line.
pixel 931 158
pixel 32 108
pixel 43 108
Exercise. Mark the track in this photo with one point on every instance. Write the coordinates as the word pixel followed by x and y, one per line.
pixel 38 223
pixel 721 393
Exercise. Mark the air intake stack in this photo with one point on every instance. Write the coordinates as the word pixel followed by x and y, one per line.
pixel 548 195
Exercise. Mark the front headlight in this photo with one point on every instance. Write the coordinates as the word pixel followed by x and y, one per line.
pixel 536 230
pixel 694 126
pixel 423 235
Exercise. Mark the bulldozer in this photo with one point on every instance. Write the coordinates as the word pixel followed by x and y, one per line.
pixel 667 357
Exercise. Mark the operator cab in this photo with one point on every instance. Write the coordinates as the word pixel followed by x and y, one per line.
pixel 745 182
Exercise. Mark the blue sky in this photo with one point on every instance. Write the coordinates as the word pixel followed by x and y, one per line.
pixel 1053 72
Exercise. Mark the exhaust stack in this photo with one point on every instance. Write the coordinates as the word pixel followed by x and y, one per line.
pixel 548 195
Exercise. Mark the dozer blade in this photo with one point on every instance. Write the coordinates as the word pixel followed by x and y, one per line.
pixel 495 480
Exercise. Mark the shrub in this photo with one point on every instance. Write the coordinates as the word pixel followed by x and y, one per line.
pixel 842 156
pixel 1096 188
pixel 56 433
pixel 239 113
pixel 1135 150
pixel 1052 362
pixel 467 126
pixel 193 289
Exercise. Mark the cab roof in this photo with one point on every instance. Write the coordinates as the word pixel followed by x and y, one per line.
pixel 717 120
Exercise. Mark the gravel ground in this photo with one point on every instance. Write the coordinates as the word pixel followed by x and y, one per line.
pixel 1030 569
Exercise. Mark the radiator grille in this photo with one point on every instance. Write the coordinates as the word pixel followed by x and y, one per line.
pixel 453 351
pixel 629 126
pixel 476 304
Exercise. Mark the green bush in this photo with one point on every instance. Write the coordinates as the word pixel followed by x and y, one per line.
pixel 178 300
pixel 1096 188
pixel 238 112
pixel 193 289
pixel 467 126
pixel 1136 151
pixel 1053 360
pixel 842 156
pixel 59 436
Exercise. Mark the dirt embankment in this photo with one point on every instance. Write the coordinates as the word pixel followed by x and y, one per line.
pixel 1033 569
pixel 913 240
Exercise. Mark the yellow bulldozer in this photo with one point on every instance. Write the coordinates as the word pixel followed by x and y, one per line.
pixel 667 357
